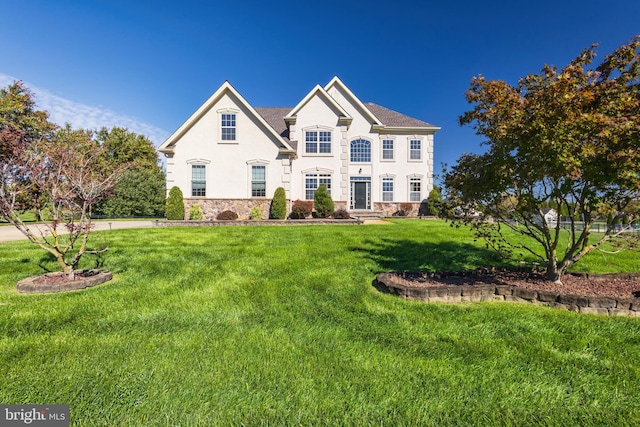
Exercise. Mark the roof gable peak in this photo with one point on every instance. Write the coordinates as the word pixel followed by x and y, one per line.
pixel 226 87
pixel 318 91
pixel 336 82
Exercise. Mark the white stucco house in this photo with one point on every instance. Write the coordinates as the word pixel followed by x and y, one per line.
pixel 231 155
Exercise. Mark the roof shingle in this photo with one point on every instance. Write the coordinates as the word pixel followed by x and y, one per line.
pixel 393 118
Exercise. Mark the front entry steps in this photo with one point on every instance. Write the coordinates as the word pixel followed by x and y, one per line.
pixel 363 215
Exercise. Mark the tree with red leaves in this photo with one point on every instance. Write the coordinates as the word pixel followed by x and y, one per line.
pixel 568 139
pixel 66 170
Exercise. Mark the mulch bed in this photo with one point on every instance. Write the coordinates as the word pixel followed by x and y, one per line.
pixel 59 282
pixel 605 285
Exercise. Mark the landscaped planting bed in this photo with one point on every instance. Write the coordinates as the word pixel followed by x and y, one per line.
pixel 608 294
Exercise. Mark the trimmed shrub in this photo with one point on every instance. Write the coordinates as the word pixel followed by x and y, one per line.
pixel 434 202
pixel 227 216
pixel 195 213
pixel 255 214
pixel 322 202
pixel 301 209
pixel 175 205
pixel 279 204
pixel 341 214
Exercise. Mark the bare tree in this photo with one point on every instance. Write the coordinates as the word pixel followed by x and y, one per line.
pixel 67 169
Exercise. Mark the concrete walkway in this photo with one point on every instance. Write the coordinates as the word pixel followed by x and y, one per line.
pixel 9 232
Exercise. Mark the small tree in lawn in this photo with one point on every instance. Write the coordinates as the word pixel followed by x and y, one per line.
pixel 279 204
pixel 175 204
pixel 322 202
pixel 68 169
pixel 569 139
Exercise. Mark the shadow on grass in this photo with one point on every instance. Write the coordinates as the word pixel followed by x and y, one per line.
pixel 394 255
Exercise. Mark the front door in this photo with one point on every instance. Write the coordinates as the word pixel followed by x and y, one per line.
pixel 360 195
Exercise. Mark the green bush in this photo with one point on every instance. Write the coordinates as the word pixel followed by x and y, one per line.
pixel 434 202
pixel 227 216
pixel 301 209
pixel 322 202
pixel 279 204
pixel 256 213
pixel 175 205
pixel 195 213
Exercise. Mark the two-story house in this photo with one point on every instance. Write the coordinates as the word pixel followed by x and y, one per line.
pixel 231 155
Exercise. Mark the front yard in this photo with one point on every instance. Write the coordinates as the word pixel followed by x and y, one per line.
pixel 282 326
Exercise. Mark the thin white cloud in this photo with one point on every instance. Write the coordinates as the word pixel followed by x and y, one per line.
pixel 84 116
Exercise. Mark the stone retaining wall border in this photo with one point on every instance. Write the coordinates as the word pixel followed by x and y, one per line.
pixel 277 222
pixel 92 277
pixel 605 306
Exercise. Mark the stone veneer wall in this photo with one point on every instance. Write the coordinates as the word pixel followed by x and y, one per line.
pixel 388 209
pixel 511 293
pixel 212 207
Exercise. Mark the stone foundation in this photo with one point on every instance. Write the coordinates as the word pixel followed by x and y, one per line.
pixel 389 209
pixel 212 207
pixel 605 306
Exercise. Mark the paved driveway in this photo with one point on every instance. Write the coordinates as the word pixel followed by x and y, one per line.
pixel 9 232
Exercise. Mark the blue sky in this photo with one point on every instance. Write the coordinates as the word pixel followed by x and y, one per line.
pixel 148 65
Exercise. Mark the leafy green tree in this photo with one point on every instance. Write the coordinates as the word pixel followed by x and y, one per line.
pixel 322 202
pixel 21 126
pixel 125 146
pixel 139 193
pixel 141 190
pixel 279 204
pixel 569 138
pixel 175 204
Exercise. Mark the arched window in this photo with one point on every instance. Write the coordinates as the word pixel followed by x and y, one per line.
pixel 360 151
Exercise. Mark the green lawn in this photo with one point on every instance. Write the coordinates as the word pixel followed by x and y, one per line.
pixel 282 326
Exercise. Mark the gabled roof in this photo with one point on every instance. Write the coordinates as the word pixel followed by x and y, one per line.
pixel 168 145
pixel 319 91
pixel 354 99
pixel 382 118
pixel 275 117
pixel 393 119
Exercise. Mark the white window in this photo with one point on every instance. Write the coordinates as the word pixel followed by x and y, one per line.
pixel 228 126
pixel 317 142
pixel 312 181
pixel 415 149
pixel 415 189
pixel 387 189
pixel 388 152
pixel 360 151
pixel 258 181
pixel 198 181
